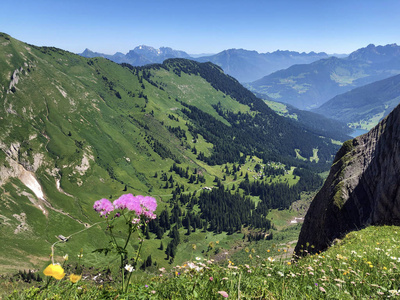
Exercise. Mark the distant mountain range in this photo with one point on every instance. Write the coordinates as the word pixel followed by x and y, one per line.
pixel 365 106
pixel 244 65
pixel 140 56
pixel 247 66
pixel 308 86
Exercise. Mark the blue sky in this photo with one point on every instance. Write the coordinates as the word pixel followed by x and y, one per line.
pixel 206 26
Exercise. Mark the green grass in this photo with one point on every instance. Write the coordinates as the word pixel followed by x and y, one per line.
pixel 362 265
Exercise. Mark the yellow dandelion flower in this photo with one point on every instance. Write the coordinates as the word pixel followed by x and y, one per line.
pixel 75 278
pixel 384 268
pixel 268 250
pixel 54 270
pixel 289 263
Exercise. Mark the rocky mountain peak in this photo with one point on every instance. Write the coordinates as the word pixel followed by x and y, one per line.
pixel 362 189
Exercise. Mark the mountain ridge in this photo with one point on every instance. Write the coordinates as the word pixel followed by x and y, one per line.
pixel 308 86
pixel 244 65
pixel 362 188
pixel 365 106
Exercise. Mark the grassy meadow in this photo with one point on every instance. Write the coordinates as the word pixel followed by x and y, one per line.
pixel 362 265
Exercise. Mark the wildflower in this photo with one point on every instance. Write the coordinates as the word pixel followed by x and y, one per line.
pixel 289 263
pixel 270 259
pixel 75 278
pixel 211 278
pixel 153 291
pixel 198 258
pixel 129 268
pixel 54 270
pixel 322 289
pixel 65 257
pixel 194 246
pixel 223 294
pixel 103 206
pixel 280 273
pixel 268 250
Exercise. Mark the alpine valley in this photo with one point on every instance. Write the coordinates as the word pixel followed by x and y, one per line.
pixel 308 86
pixel 219 161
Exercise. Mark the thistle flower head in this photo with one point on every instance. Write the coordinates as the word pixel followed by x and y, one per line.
pixel 103 206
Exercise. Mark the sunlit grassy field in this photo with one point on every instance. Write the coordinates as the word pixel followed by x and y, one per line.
pixel 361 266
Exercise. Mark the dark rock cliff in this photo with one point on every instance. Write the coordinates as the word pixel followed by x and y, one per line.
pixel 362 189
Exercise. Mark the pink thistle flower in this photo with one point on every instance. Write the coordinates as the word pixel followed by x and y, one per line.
pixel 223 294
pixel 123 201
pixel 211 278
pixel 149 203
pixel 103 206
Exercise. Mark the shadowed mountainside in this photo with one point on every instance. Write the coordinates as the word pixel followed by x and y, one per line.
pixel 362 189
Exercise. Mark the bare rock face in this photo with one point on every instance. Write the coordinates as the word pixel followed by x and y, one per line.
pixel 362 189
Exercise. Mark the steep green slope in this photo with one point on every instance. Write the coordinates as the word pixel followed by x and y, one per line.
pixel 311 121
pixel 74 130
pixel 308 86
pixel 365 106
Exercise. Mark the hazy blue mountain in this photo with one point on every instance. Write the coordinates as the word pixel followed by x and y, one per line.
pixel 247 66
pixel 242 64
pixel 308 86
pixel 365 106
pixel 140 56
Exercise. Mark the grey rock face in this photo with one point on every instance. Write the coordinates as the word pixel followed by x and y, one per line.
pixel 362 189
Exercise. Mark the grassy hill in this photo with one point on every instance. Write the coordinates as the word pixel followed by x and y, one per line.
pixel 365 106
pixel 75 130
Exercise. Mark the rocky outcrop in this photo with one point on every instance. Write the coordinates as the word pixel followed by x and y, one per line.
pixel 362 189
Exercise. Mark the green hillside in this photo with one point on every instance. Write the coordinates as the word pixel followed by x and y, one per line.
pixel 365 106
pixel 75 130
